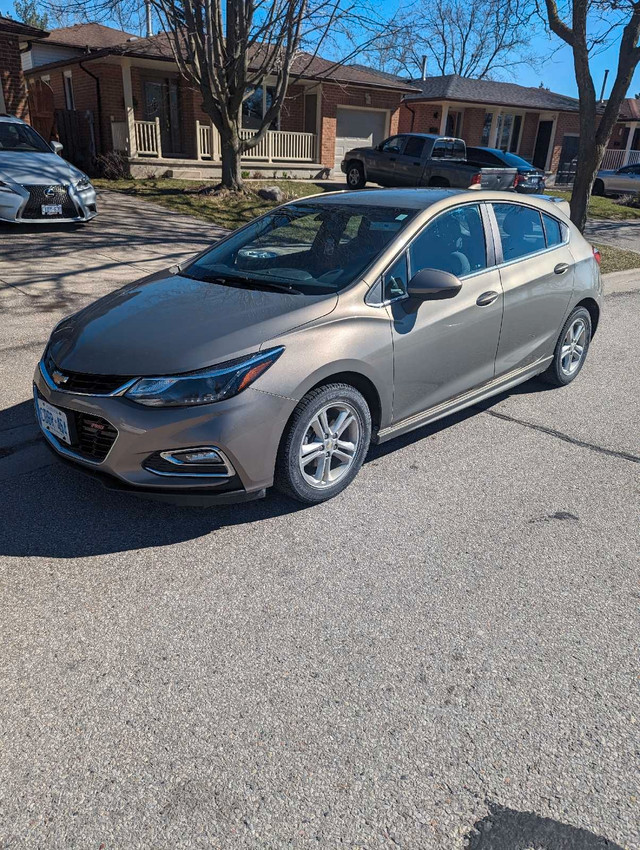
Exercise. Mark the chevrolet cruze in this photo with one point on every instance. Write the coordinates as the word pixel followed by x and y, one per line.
pixel 280 354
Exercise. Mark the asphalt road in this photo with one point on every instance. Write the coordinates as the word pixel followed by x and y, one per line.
pixel 444 656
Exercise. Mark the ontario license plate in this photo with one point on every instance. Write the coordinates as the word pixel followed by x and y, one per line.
pixel 52 209
pixel 53 420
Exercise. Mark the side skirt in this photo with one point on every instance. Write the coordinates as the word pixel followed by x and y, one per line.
pixel 453 405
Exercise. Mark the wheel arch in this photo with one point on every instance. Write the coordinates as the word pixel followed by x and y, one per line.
pixel 592 306
pixel 365 387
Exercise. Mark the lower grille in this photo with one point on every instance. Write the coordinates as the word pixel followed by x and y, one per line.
pixel 56 195
pixel 95 436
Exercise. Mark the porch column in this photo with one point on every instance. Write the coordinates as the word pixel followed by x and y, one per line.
pixel 443 119
pixel 128 105
pixel 628 148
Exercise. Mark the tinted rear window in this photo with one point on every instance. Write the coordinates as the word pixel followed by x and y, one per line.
pixel 414 147
pixel 553 230
pixel 521 230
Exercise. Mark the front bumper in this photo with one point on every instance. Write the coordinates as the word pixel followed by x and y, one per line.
pixel 13 207
pixel 246 429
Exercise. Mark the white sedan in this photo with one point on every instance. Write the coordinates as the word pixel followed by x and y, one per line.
pixel 37 185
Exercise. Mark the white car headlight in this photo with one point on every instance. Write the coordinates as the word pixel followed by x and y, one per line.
pixel 205 386
pixel 83 183
pixel 4 187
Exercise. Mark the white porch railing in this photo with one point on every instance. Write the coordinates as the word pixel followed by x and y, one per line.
pixel 147 138
pixel 617 158
pixel 275 145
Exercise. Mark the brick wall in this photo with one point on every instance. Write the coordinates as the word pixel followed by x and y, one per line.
pixel 473 124
pixel 334 95
pixel 11 77
pixel 528 135
pixel 426 119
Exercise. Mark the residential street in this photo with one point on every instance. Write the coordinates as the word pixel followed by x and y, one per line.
pixel 443 656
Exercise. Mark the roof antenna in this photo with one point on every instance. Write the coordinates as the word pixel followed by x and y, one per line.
pixel 424 68
pixel 604 83
pixel 147 6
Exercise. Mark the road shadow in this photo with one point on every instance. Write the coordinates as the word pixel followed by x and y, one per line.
pixel 508 829
pixel 55 510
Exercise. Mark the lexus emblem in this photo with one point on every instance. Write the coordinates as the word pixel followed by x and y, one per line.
pixel 50 191
pixel 59 379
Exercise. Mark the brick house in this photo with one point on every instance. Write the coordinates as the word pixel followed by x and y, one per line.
pixel 13 90
pixel 144 107
pixel 539 125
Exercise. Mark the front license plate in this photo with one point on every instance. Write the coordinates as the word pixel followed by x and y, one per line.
pixel 52 209
pixel 53 420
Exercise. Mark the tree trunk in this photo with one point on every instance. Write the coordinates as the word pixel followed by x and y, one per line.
pixel 230 151
pixel 589 159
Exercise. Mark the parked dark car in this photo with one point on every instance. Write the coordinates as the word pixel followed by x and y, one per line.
pixel 529 181
pixel 420 159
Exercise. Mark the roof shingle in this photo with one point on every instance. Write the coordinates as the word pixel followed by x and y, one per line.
pixel 18 28
pixel 93 35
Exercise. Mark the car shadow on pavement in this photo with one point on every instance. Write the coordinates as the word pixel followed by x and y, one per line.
pixel 55 510
pixel 508 829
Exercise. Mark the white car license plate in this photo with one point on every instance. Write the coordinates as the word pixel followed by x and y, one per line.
pixel 52 209
pixel 54 420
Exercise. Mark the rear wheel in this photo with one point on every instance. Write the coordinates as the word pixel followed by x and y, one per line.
pixel 355 176
pixel 571 349
pixel 598 187
pixel 324 445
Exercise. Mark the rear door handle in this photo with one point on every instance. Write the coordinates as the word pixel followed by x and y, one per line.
pixel 561 268
pixel 486 298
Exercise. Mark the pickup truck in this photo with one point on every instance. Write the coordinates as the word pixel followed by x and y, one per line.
pixel 420 159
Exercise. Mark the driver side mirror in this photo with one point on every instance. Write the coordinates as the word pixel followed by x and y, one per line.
pixel 433 285
pixel 55 146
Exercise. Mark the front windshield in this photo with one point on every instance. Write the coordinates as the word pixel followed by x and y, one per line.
pixel 307 247
pixel 19 137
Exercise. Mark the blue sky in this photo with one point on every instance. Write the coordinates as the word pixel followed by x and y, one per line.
pixel 556 73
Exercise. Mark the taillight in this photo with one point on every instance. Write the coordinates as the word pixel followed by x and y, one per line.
pixel 597 256
pixel 476 180
pixel 518 179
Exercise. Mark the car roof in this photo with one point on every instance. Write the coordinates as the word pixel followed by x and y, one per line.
pixel 411 198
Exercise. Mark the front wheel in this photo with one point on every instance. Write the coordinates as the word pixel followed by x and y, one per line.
pixel 324 445
pixel 571 349
pixel 355 176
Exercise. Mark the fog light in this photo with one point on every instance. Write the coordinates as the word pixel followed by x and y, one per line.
pixel 197 456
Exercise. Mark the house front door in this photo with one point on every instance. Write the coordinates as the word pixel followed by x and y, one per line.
pixel 541 150
pixel 161 100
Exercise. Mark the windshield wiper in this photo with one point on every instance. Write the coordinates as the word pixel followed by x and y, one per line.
pixel 250 283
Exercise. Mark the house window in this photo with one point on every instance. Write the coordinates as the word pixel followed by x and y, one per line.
pixel 68 91
pixel 486 130
pixel 255 106
pixel 508 131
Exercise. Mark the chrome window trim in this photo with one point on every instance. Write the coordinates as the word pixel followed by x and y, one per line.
pixel 121 390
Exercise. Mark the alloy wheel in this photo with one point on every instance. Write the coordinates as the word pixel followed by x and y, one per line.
pixel 573 347
pixel 353 177
pixel 329 445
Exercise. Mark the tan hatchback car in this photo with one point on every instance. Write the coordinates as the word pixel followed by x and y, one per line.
pixel 279 355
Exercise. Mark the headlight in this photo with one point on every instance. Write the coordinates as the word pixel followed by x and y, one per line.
pixel 83 183
pixel 4 187
pixel 203 387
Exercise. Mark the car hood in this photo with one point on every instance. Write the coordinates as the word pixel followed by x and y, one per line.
pixel 36 168
pixel 168 324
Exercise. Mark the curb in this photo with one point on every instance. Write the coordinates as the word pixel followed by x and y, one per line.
pixel 618 283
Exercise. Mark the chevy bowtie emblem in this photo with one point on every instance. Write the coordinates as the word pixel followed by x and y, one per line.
pixel 59 379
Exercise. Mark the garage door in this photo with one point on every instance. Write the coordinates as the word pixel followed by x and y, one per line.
pixel 357 128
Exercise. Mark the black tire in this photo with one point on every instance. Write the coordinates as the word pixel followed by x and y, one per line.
pixel 556 374
pixel 289 478
pixel 355 175
pixel 598 188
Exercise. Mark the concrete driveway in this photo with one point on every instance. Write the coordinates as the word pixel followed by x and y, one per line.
pixel 444 656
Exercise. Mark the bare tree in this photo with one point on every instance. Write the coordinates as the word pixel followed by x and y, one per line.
pixel 587 25
pixel 480 39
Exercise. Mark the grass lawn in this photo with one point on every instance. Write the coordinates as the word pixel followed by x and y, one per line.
pixel 227 211
pixel 617 259
pixel 603 207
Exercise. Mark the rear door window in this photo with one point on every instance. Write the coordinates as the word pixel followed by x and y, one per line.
pixel 521 231
pixel 414 147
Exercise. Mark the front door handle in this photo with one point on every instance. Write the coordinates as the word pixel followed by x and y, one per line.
pixel 486 298
pixel 561 268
